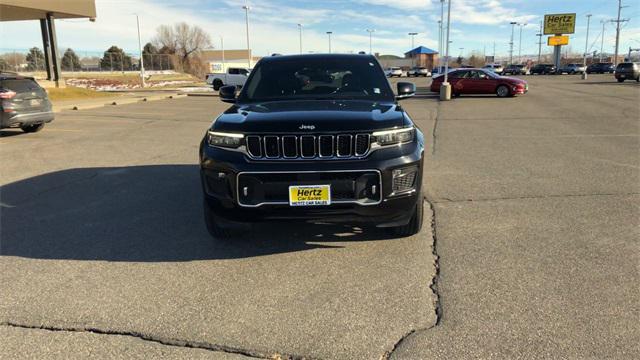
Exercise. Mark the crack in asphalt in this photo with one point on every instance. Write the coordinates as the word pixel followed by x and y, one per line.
pixel 434 131
pixel 433 286
pixel 552 196
pixel 164 341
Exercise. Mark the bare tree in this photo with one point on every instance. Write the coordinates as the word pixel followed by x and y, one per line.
pixel 184 41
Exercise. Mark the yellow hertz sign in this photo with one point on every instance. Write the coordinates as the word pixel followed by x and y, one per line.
pixel 555 24
pixel 557 40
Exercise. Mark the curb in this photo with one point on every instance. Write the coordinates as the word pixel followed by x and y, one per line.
pixel 116 102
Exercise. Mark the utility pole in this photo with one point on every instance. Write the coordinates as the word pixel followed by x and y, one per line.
pixel 329 34
pixel 539 35
pixel 520 43
pixel 586 48
pixel 618 21
pixel 602 40
pixel 494 51
pixel 141 57
pixel 246 17
pixel 370 31
pixel 300 32
pixel 513 23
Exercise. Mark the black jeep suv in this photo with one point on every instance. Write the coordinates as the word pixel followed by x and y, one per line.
pixel 23 103
pixel 316 138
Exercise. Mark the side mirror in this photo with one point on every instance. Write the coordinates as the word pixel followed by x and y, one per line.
pixel 228 93
pixel 405 90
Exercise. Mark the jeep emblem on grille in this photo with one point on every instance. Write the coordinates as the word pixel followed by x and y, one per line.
pixel 307 127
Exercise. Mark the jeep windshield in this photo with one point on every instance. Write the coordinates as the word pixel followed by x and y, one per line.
pixel 321 78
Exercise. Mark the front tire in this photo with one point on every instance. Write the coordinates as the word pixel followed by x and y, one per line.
pixel 32 128
pixel 502 91
pixel 620 80
pixel 217 84
pixel 415 224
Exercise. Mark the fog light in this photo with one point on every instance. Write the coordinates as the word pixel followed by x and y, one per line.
pixel 404 179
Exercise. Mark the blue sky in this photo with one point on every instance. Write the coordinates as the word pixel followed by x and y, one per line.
pixel 476 24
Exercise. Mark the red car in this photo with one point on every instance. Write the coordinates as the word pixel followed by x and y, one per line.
pixel 481 81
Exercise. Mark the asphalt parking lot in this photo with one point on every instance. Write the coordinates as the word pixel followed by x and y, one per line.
pixel 533 251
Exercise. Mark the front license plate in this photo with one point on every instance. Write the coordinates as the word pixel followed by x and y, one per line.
pixel 309 195
pixel 622 76
pixel 34 102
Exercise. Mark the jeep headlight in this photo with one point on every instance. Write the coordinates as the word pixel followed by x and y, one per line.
pixel 392 137
pixel 228 140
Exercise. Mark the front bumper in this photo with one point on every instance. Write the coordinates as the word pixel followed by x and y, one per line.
pixel 20 119
pixel 221 172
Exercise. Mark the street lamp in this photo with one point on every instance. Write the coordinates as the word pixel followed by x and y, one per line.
pixel 520 43
pixel 586 44
pixel 300 31
pixel 140 48
pixel 412 34
pixel 441 38
pixel 246 17
pixel 370 31
pixel 222 48
pixel 511 43
pixel 445 88
pixel 329 34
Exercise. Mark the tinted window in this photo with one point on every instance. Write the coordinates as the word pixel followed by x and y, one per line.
pixel 233 71
pixel 625 66
pixel 317 78
pixel 21 85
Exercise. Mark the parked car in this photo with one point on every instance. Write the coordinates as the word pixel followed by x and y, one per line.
pixel 481 81
pixel 627 71
pixel 496 68
pixel 317 138
pixel 601 68
pixel 516 69
pixel 23 103
pixel 419 71
pixel 543 69
pixel 572 69
pixel 393 71
pixel 233 76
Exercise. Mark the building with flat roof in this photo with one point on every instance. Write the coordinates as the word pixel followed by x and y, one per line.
pixel 423 56
pixel 220 60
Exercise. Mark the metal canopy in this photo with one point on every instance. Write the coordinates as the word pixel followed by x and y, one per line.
pixel 14 10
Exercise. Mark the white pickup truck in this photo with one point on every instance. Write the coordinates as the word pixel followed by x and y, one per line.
pixel 233 76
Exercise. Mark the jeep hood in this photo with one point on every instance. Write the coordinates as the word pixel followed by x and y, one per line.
pixel 310 116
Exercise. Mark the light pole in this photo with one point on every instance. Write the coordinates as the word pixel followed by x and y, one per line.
pixel 222 48
pixel 246 17
pixel 370 31
pixel 586 45
pixel 439 42
pixel 140 48
pixel 520 43
pixel 412 34
pixel 445 88
pixel 602 39
pixel 511 43
pixel 300 33
pixel 441 32
pixel 329 34
pixel 540 35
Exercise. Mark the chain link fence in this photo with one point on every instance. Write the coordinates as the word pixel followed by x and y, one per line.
pixel 32 60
